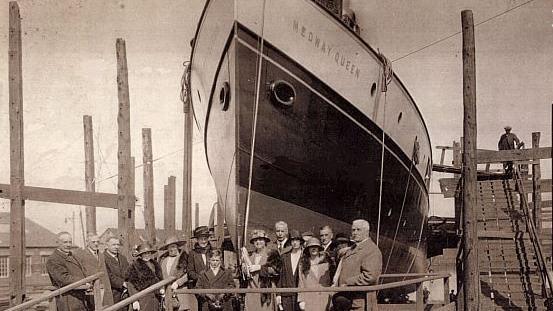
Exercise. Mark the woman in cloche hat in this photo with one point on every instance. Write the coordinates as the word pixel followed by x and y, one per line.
pixel 262 267
pixel 315 271
pixel 174 262
pixel 145 272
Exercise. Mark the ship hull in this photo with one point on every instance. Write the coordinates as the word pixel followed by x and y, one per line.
pixel 320 161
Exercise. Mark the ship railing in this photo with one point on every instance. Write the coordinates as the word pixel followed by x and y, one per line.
pixel 417 280
pixel 50 297
pixel 155 287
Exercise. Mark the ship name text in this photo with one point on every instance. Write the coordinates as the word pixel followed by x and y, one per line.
pixel 326 49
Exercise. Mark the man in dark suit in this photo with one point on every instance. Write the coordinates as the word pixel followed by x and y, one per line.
pixel 65 268
pixel 289 274
pixel 198 258
pixel 117 267
pixel 360 266
pixel 282 242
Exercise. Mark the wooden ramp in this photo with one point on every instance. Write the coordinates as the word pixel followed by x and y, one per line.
pixel 509 275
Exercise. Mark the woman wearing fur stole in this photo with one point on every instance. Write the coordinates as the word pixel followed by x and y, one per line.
pixel 145 272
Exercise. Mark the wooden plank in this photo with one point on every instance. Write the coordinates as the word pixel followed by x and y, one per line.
pixel 131 232
pixel 490 156
pixel 73 197
pixel 17 176
pixel 470 239
pixel 448 186
pixel 123 144
pixel 148 177
pixel 197 215
pixel 89 174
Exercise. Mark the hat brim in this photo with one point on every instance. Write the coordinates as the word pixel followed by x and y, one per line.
pixel 317 246
pixel 350 242
pixel 267 240
pixel 178 243
pixel 146 251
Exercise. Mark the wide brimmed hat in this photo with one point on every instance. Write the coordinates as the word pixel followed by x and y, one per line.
pixel 343 238
pixel 295 235
pixel 508 127
pixel 313 242
pixel 259 234
pixel 201 231
pixel 172 240
pixel 145 248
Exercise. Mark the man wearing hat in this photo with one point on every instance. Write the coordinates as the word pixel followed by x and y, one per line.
pixel 509 141
pixel 289 272
pixel 198 260
pixel 174 262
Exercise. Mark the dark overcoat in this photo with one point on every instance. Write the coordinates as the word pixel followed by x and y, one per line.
pixel 117 270
pixel 141 276
pixel 63 270
pixel 289 279
pixel 223 279
pixel 196 264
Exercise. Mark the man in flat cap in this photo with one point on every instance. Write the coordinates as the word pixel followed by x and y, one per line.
pixel 509 141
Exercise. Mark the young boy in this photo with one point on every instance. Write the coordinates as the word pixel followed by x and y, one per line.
pixel 216 277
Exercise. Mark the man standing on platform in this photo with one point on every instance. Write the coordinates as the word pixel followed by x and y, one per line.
pixel 509 141
pixel 65 268
pixel 360 266
pixel 117 267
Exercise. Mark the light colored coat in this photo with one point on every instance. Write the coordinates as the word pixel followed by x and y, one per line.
pixel 361 266
pixel 185 301
pixel 318 276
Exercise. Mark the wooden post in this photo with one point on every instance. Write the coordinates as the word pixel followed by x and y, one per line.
pixel 220 232
pixel 124 145
pixel 89 175
pixel 446 291
pixel 131 205
pixel 148 175
pixel 457 159
pixel 536 184
pixel 170 226
pixel 197 215
pixel 471 275
pixel 419 303
pixel 187 173
pixel 97 295
pixel 17 176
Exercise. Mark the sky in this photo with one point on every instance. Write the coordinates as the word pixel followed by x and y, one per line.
pixel 69 70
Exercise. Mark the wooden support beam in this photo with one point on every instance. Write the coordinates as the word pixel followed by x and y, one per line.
pixel 490 156
pixel 471 275
pixel 220 232
pixel 536 184
pixel 187 173
pixel 89 174
pixel 169 213
pixel 197 215
pixel 450 186
pixel 73 197
pixel 131 232
pixel 148 176
pixel 123 145
pixel 17 176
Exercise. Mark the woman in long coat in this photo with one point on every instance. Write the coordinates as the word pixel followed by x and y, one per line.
pixel 262 267
pixel 145 272
pixel 175 263
pixel 315 271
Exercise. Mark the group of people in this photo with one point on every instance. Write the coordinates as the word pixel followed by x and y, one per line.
pixel 294 260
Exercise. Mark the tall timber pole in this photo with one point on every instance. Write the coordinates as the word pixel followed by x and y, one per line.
pixel 17 180
pixel 148 176
pixel 124 188
pixel 187 170
pixel 90 184
pixel 471 275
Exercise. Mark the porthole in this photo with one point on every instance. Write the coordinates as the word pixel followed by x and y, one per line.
pixel 224 96
pixel 399 117
pixel 373 89
pixel 282 93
